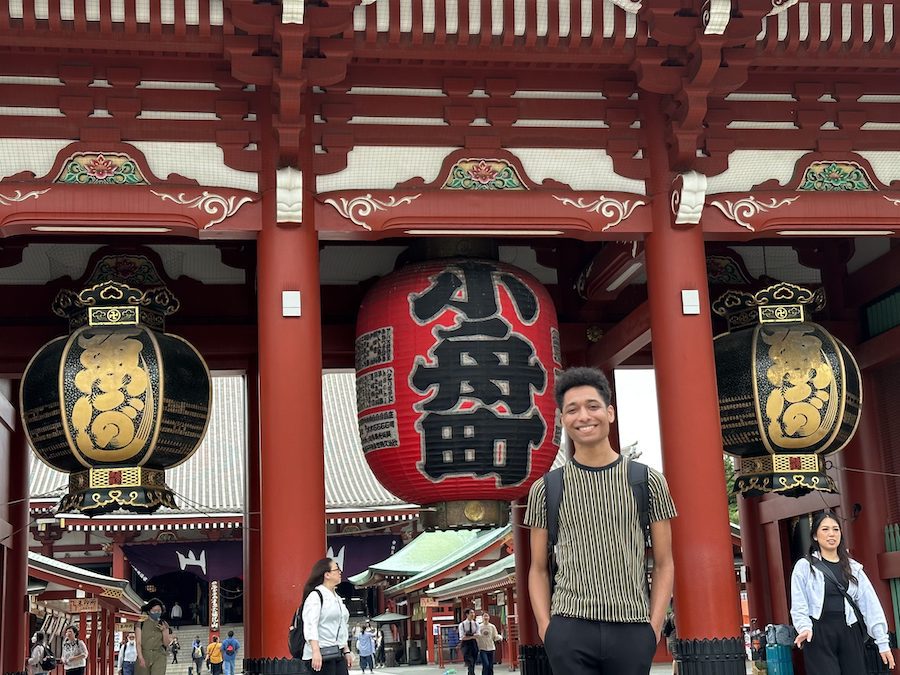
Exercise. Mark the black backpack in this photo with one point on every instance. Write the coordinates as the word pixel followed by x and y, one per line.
pixel 638 479
pixel 48 661
pixel 295 634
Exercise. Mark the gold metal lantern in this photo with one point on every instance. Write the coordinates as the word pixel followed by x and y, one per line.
pixel 789 391
pixel 117 401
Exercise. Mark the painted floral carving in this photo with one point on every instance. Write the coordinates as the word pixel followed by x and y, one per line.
pixel 210 203
pixel 358 208
pixel 742 209
pixel 483 174
pixel 607 207
pixel 19 196
pixel 835 177
pixel 98 168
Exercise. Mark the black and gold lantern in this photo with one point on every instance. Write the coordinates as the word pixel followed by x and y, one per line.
pixel 789 391
pixel 117 401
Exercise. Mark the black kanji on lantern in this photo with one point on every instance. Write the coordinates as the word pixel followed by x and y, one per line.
pixel 472 291
pixel 481 418
pixel 480 443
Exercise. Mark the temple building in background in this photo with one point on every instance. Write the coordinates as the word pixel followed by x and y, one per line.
pixel 450 200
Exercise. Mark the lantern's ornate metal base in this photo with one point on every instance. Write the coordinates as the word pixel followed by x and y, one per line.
pixel 466 515
pixel 133 488
pixel 533 660
pixel 711 657
pixel 790 475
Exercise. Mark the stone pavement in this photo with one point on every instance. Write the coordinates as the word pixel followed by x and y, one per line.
pixel 502 669
pixel 186 635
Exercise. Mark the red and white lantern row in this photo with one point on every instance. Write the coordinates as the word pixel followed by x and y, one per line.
pixel 455 363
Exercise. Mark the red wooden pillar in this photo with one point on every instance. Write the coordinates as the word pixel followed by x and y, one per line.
pixel 252 558
pixel 706 595
pixel 292 465
pixel 120 568
pixel 15 547
pixel 91 632
pixel 867 489
pixel 753 547
pixel 104 645
pixel 528 634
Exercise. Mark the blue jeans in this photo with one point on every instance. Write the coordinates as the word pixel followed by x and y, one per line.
pixel 127 667
pixel 367 661
pixel 229 666
pixel 487 661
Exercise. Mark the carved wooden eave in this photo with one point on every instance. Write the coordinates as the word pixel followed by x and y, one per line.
pixel 484 191
pixel 837 193
pixel 109 188
pixel 767 213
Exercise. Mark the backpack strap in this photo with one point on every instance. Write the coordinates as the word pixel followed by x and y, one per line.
pixel 639 480
pixel 553 489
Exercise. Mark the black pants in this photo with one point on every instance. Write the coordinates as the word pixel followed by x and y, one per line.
pixel 335 667
pixel 470 655
pixel 835 649
pixel 582 647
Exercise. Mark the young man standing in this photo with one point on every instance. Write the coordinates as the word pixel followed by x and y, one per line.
pixel 599 620
pixel 468 643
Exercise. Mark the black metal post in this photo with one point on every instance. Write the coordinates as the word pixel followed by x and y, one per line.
pixel 533 660
pixel 274 667
pixel 711 657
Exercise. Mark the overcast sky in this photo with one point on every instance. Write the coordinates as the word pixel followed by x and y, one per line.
pixel 636 413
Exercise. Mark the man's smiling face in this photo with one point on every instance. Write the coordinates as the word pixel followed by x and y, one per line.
pixel 586 416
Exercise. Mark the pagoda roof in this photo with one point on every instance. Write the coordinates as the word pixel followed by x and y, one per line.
pixel 418 555
pixel 499 573
pixel 58 574
pixel 481 546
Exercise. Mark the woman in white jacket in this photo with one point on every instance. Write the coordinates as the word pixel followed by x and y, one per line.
pixel 824 619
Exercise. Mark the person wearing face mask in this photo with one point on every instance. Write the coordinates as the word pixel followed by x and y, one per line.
pixel 34 664
pixel 127 656
pixel 152 638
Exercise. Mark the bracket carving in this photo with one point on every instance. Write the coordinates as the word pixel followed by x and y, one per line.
pixel 289 195
pixel 716 15
pixel 688 197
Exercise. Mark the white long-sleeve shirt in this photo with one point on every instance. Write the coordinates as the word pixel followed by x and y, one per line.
pixel 128 652
pixel 324 621
pixel 808 597
pixel 34 662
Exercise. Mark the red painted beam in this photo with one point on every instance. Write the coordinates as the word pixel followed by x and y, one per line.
pixel 624 340
pixel 879 349
pixel 875 279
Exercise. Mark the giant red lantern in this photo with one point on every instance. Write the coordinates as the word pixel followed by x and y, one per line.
pixel 455 363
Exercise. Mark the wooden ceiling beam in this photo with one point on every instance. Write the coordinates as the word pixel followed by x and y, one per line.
pixel 624 340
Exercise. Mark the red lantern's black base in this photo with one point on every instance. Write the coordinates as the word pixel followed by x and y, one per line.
pixel 533 660
pixel 711 657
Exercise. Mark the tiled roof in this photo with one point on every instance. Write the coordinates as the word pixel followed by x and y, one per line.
pixel 474 550
pixel 40 566
pixel 502 570
pixel 349 482
pixel 211 482
pixel 418 555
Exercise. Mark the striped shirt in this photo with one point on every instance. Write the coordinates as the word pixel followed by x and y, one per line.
pixel 600 548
